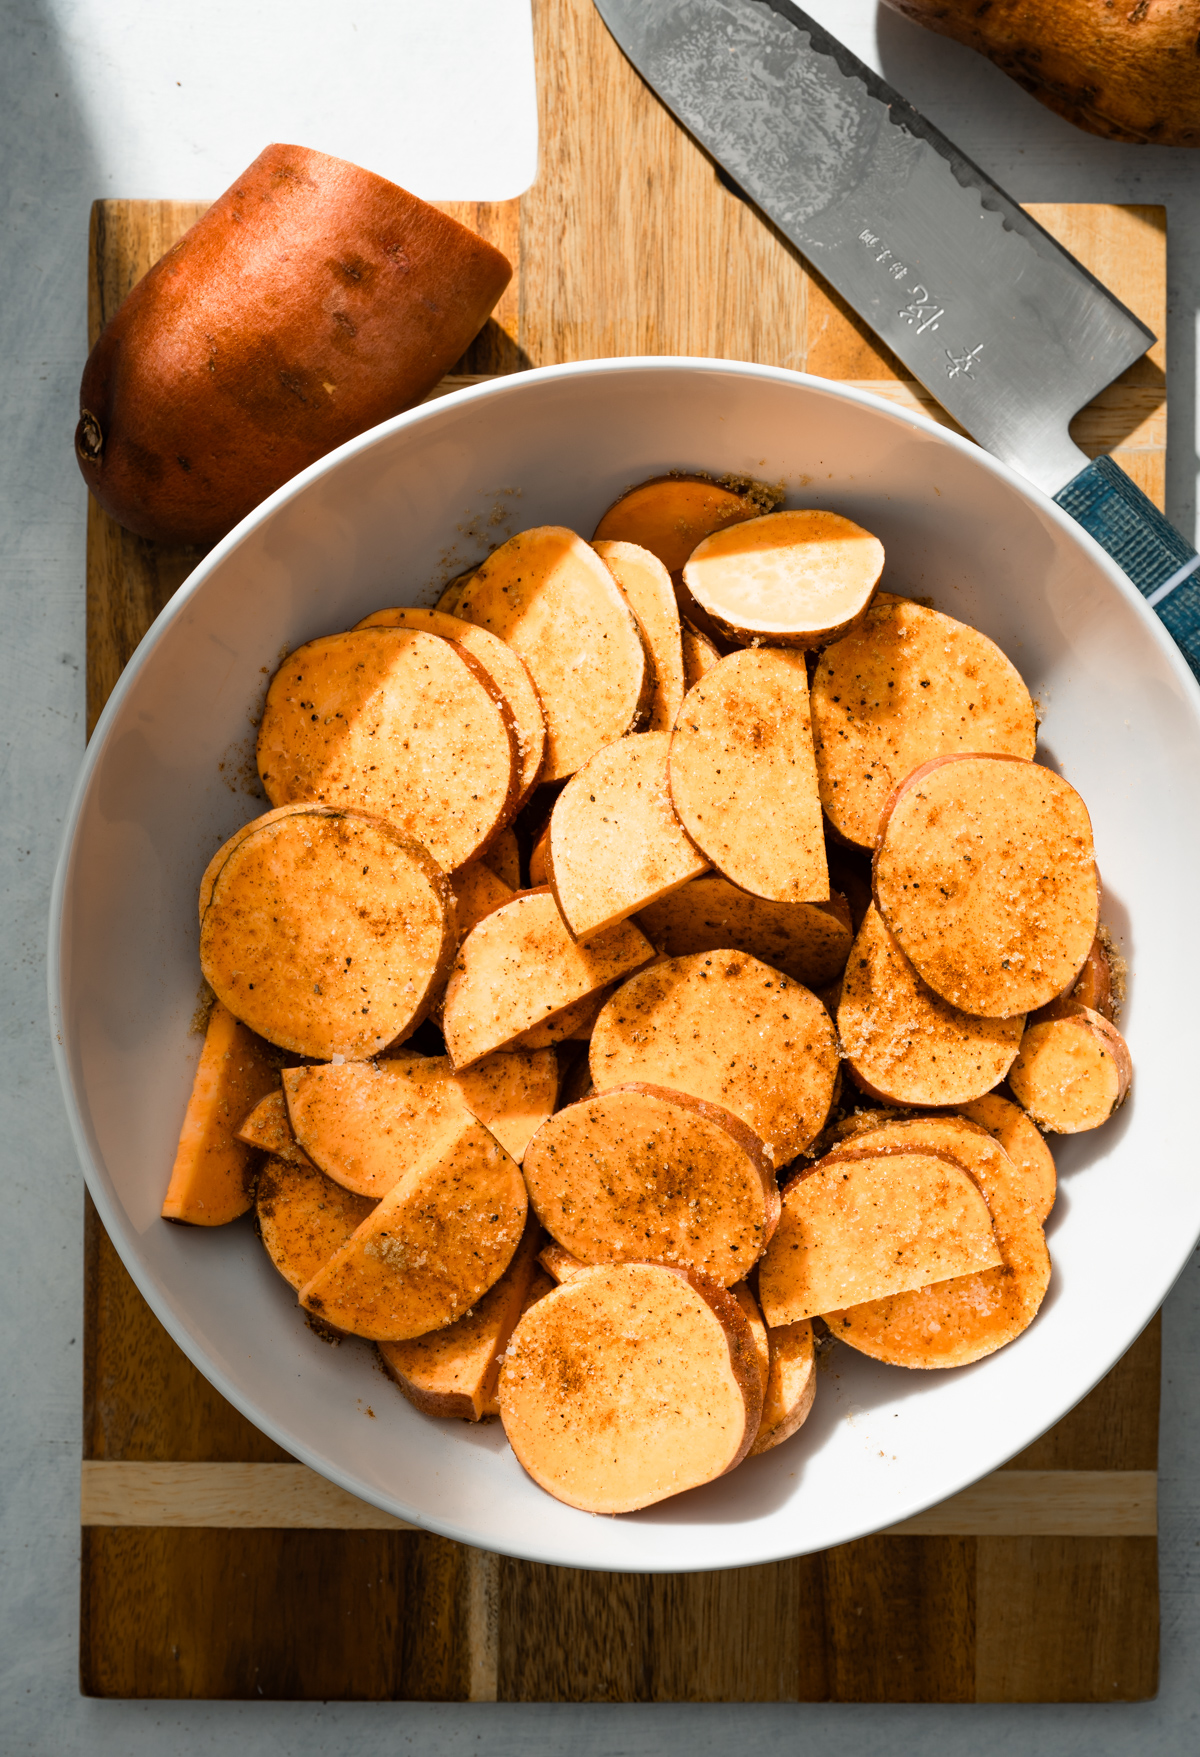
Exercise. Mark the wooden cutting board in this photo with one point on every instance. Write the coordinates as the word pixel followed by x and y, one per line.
pixel 213 1565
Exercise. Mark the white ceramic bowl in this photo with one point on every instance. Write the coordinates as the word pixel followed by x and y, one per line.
pixel 388 519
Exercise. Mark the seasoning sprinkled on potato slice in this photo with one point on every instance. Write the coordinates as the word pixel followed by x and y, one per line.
pixel 1022 1140
pixel 728 1029
pixel 791 1384
pixel 758 1330
pixel 1073 1070
pixel 616 844
pixel 477 891
pixel 908 684
pixel 986 875
pixel 795 579
pixel 365 1123
pixel 809 942
pixel 630 1384
pixel 213 1174
pixel 573 1025
pixel 700 654
pixel 328 932
pixel 670 515
pixel 269 1128
pixel 743 779
pixel 638 1172
pixel 651 596
pixel 304 1218
pixel 503 856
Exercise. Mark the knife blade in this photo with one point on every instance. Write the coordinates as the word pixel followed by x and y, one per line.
pixel 1003 326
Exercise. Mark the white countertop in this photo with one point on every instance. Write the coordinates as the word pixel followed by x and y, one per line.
pixel 122 97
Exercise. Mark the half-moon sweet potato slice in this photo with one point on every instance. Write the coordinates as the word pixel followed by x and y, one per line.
pixel 862 1225
pixel 366 1123
pixel 625 1386
pixel 725 1028
pixel 432 1246
pixel 548 594
pixel 455 1372
pixel 212 1179
pixel 477 891
pixel 794 579
pixel 574 1025
pixel 503 856
pixel 700 654
pixel 907 685
pixel 269 1128
pixel 511 1093
pixel 520 967
pixel 670 515
pixel 791 1384
pixel 328 932
pixel 651 595
pixel 809 942
pixel 954 1322
pixel 1073 1070
pixel 616 845
pixel 506 671
pixel 985 873
pixel 397 722
pixel 1022 1140
pixel 303 1217
pixel 743 779
pixel 904 1043
pixel 638 1172
pixel 758 1331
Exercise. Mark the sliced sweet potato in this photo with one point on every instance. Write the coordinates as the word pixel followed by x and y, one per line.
pixel 511 1093
pixel 669 515
pixel 449 595
pixel 625 1386
pixel 986 874
pixel 725 1028
pixel 904 1043
pixel 477 891
pixel 862 1225
pixel 304 1218
pixel 1093 987
pixel 559 1264
pixel 269 1128
pixel 791 1384
pixel 743 779
pixel 432 1246
pixel 793 579
pixel 954 1322
pixel 366 1123
pixel 506 671
pixel 226 849
pixel 1022 1140
pixel 700 654
pixel 328 932
pixel 212 1179
pixel 520 967
pixel 397 722
pixel 758 1330
pixel 573 1025
pixel 539 871
pixel 638 1172
pixel 651 595
pixel 616 845
pixel 907 685
pixel 504 858
pixel 808 941
pixel 455 1371
pixel 548 594
pixel 1073 1070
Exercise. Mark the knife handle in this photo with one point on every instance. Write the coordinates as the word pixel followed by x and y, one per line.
pixel 1162 565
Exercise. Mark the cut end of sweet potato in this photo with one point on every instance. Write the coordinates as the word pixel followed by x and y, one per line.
pixel 212 1179
pixel 1072 1072
pixel 794 579
pixel 791 1384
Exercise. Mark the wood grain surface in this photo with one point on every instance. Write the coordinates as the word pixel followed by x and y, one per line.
pixel 627 243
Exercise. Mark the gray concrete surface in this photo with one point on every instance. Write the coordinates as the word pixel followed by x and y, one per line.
pixel 57 154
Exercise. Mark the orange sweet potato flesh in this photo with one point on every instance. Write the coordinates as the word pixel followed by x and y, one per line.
pixel 669 515
pixel 311 301
pixel 630 1384
pixel 1021 1139
pixel 809 942
pixel 1073 1070
pixel 269 1128
pixel 795 579
pixel 303 1217
pixel 212 1179
pixel 791 1384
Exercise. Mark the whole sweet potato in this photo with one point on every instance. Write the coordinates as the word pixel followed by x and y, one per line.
pixel 1127 69
pixel 311 301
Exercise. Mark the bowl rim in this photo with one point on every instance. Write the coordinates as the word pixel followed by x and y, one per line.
pixel 519 383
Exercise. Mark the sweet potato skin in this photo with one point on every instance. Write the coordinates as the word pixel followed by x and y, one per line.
pixel 311 301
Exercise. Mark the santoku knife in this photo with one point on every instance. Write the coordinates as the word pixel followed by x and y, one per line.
pixel 1000 323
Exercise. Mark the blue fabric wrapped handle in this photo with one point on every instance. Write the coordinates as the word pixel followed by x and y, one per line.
pixel 1162 565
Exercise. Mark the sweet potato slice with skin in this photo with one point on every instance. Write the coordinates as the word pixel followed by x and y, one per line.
pixel 328 932
pixel 792 579
pixel 539 869
pixel 366 1123
pixel 1093 987
pixel 218 860
pixel 269 1128
pixel 506 671
pixel 743 779
pixel 985 873
pixel 905 1045
pixel 862 1225
pixel 213 1175
pixel 397 722
pixel 725 1028
pixel 455 1372
pixel 504 859
pixel 1022 1140
pixel 477 891
pixel 560 1265
pixel 954 1322
pixel 616 845
pixel 511 1093
pixel 625 1386
pixel 637 1172
pixel 1073 1070
pixel 791 1384
pixel 651 595
pixel 907 685
pixel 700 654
pixel 548 594
pixel 574 1025
pixel 758 1330
pixel 432 1246
pixel 809 942
pixel 303 1217
pixel 520 967
pixel 669 515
